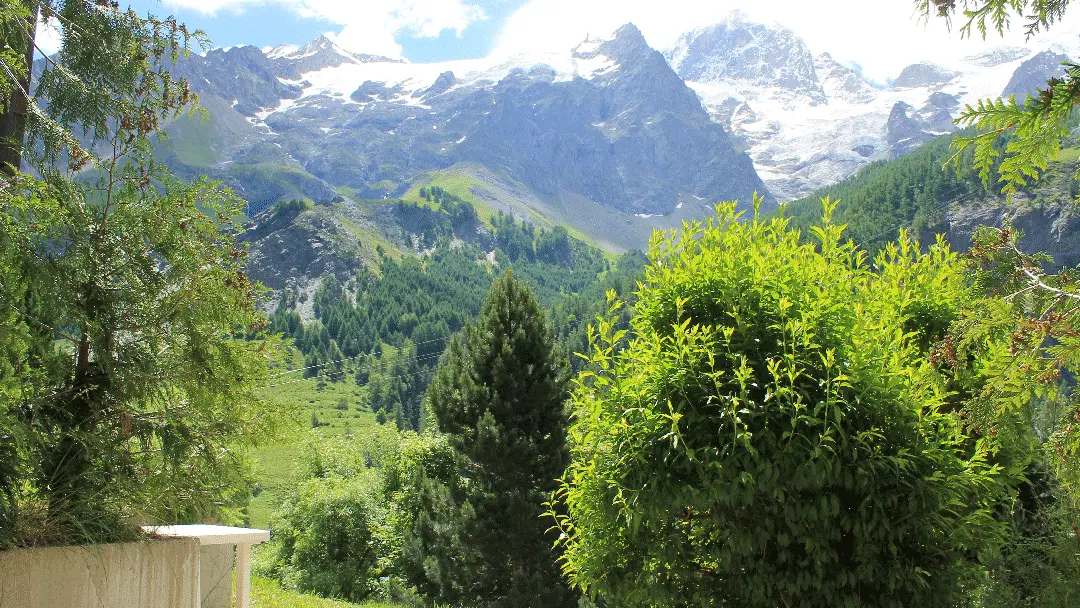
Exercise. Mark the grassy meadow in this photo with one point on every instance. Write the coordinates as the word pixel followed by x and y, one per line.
pixel 336 406
pixel 265 593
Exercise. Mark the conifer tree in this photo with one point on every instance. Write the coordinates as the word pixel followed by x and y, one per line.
pixel 499 394
pixel 126 395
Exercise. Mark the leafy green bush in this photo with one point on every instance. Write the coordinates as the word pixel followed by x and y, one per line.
pixel 775 433
pixel 1039 565
pixel 345 531
pixel 325 541
pixel 290 208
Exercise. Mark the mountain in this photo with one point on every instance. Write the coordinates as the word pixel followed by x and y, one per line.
pixel 744 54
pixel 1033 74
pixel 607 124
pixel 611 137
pixel 808 121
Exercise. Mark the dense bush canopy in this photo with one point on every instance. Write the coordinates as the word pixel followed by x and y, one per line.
pixel 776 433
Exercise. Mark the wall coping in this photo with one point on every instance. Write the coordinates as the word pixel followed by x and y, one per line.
pixel 212 535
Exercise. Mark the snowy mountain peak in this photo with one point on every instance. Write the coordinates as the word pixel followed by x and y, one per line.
pixel 629 34
pixel 322 44
pixel 924 75
pixel 738 51
pixel 1033 74
pixel 998 56
pixel 332 53
pixel 841 82
pixel 279 51
pixel 626 45
pixel 809 121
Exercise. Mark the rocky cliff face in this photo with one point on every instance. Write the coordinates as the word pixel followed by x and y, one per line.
pixel 632 136
pixel 1033 74
pixel 338 238
pixel 243 75
pixel 609 121
pixel 1049 228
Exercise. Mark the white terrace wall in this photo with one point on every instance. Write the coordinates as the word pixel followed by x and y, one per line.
pixel 151 574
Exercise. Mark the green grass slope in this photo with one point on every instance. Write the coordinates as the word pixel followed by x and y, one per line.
pixel 336 407
pixel 265 593
pixel 604 227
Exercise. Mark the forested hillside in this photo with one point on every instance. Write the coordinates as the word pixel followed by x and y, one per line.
pixel 925 194
pixel 385 327
pixel 912 192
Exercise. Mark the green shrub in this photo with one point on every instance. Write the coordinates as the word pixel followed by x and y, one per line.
pixel 775 433
pixel 291 208
pixel 324 539
pixel 345 530
pixel 1039 566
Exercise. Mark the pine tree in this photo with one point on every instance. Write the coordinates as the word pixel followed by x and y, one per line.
pixel 499 394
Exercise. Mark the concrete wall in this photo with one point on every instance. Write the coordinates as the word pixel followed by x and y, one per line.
pixel 217 576
pixel 151 574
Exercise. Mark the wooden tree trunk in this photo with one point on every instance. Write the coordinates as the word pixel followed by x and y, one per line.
pixel 13 114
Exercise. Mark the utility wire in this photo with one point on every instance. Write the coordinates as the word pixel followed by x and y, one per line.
pixel 369 369
pixel 302 369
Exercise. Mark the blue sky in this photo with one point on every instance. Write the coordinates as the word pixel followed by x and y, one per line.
pixel 270 23
pixel 881 36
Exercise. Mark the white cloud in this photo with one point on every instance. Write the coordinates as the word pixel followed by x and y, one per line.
pixel 368 26
pixel 882 36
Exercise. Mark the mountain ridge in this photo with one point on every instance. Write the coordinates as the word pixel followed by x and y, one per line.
pixel 608 122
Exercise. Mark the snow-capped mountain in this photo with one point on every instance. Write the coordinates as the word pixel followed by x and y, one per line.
pixel 608 122
pixel 730 109
pixel 808 121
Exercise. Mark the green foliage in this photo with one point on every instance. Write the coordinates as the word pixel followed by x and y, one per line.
pixel 1037 125
pixel 277 465
pixel 395 384
pixel 345 529
pixel 448 214
pixel 775 433
pixel 389 329
pixel 499 395
pixel 1037 129
pixel 291 208
pixel 267 593
pixel 111 75
pixel 1025 325
pixel 140 409
pixel 325 540
pixel 994 15
pixel 1039 566
pixel 126 396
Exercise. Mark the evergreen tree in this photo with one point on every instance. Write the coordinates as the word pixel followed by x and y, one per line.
pixel 499 394
pixel 125 395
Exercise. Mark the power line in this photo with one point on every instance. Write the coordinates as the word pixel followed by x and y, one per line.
pixel 302 369
pixel 369 369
